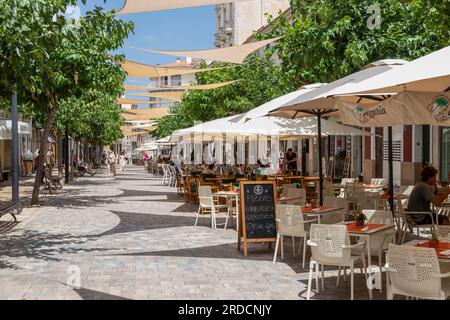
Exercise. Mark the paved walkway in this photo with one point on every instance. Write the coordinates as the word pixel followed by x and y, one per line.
pixel 129 237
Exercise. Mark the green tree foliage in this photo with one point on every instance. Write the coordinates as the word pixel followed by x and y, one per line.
pixel 261 80
pixel 329 39
pixel 56 61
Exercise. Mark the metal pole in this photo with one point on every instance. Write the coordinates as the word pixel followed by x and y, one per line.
pixel 319 143
pixel 67 160
pixel 391 171
pixel 15 146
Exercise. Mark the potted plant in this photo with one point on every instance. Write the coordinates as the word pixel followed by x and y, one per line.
pixel 28 162
pixel 360 218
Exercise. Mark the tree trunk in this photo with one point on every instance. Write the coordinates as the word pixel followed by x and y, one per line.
pixel 43 148
pixel 60 152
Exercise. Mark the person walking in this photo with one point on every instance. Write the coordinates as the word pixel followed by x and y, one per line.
pixel 122 161
pixel 112 163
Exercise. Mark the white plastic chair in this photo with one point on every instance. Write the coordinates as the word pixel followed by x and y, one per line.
pixel 344 182
pixel 415 272
pixel 298 196
pixel 165 177
pixel 330 245
pixel 291 223
pixel 172 176
pixel 335 216
pixel 378 181
pixel 206 203
pixel 443 233
pixel 410 224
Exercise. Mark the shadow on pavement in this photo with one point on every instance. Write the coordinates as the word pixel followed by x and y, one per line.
pixel 87 294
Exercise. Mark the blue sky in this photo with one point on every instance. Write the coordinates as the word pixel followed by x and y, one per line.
pixel 181 29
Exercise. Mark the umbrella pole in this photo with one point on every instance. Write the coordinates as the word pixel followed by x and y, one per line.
pixel 391 171
pixel 319 143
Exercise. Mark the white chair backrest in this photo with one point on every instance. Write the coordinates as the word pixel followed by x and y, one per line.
pixel 443 233
pixel 296 193
pixel 346 182
pixel 379 216
pixel 335 216
pixel 205 196
pixel 287 187
pixel 330 241
pixel 378 181
pixel 290 220
pixel 413 269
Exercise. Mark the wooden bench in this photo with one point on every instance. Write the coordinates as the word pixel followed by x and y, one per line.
pixel 10 208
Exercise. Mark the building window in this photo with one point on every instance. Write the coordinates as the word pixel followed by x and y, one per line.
pixel 176 80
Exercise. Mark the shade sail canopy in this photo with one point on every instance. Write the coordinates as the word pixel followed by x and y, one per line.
pixel 132 101
pixel 408 107
pixel 202 86
pixel 263 126
pixel 140 70
pixel 170 95
pixel 323 98
pixel 236 54
pixel 145 114
pixel 136 6
pixel 131 134
pixel 127 87
pixel 264 109
pixel 428 73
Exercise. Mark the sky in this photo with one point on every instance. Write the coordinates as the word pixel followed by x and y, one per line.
pixel 181 29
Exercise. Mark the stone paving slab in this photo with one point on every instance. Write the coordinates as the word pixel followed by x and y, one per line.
pixel 130 237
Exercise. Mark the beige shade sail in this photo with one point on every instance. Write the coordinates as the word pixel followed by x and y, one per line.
pixel 140 70
pixel 145 114
pixel 235 54
pixel 136 6
pixel 130 134
pixel 202 86
pixel 173 95
pixel 126 87
pixel 130 101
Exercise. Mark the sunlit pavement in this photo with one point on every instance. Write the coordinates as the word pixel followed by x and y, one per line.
pixel 130 237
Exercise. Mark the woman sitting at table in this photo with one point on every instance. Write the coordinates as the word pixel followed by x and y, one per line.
pixel 209 169
pixel 423 195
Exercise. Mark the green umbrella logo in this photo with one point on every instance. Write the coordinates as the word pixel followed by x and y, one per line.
pixel 360 113
pixel 439 108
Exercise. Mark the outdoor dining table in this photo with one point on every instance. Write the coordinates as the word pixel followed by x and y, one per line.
pixel 365 232
pixel 319 212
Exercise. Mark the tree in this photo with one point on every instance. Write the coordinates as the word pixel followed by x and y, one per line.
pixel 329 39
pixel 54 59
pixel 260 80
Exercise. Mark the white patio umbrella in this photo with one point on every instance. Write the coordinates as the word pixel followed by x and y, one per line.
pixel 321 101
pixel 265 108
pixel 418 94
pixel 429 73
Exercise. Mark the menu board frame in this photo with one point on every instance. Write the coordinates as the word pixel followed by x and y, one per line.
pixel 242 232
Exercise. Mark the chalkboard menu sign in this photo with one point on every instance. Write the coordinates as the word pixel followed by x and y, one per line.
pixel 258 205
